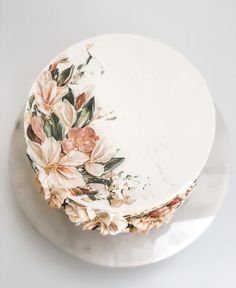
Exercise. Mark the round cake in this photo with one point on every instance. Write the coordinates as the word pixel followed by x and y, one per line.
pixel 118 129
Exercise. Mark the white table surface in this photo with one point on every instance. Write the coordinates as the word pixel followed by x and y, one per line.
pixel 32 32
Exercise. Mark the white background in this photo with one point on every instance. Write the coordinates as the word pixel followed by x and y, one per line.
pixel 31 33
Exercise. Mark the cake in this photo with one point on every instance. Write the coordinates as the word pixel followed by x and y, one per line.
pixel 118 129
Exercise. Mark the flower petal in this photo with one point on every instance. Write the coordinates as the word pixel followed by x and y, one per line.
pixel 66 113
pixel 51 150
pixel 49 91
pixel 94 168
pixel 67 171
pixel 37 127
pixel 43 79
pixel 74 158
pixel 35 152
pixel 74 182
pixel 60 93
pixel 68 145
pixel 101 152
pixel 86 146
pixel 75 133
pixel 57 197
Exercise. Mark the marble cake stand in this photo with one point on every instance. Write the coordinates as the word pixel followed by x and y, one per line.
pixel 125 249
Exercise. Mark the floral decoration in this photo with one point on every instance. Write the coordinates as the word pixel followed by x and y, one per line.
pixel 75 164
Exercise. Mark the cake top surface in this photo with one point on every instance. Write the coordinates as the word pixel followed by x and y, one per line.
pixel 120 123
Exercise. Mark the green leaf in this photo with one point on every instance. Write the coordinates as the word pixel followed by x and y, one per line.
pixel 93 179
pixel 85 116
pixel 32 164
pixel 90 57
pixel 65 76
pixel 113 163
pixel 70 97
pixel 55 74
pixel 31 100
pixel 53 128
pixel 80 66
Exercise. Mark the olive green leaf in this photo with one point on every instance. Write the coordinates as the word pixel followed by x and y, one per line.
pixel 113 163
pixel 70 97
pixel 90 57
pixel 31 100
pixel 85 116
pixel 55 74
pixel 53 128
pixel 93 179
pixel 65 75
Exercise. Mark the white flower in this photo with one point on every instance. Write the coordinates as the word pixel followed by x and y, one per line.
pixel 78 213
pixel 107 223
pixel 56 170
pixel 66 113
pixel 56 196
pixel 48 93
pixel 100 155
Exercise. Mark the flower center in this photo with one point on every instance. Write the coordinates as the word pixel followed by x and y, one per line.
pixel 79 141
pixel 52 168
pixel 47 106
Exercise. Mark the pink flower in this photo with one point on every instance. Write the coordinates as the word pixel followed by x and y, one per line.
pixel 81 139
pixel 37 127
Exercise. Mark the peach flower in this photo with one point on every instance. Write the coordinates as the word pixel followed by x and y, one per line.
pixel 81 139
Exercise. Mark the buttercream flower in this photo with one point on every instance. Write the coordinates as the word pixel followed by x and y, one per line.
pixel 143 224
pixel 55 169
pixel 37 127
pixel 100 155
pixel 66 113
pixel 48 93
pixel 57 196
pixel 155 218
pixel 81 139
pixel 107 223
pixel 78 213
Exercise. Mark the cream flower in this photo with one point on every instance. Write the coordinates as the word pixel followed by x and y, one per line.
pixel 57 196
pixel 143 224
pixel 155 218
pixel 107 223
pixel 100 155
pixel 78 213
pixel 56 170
pixel 48 93
pixel 66 113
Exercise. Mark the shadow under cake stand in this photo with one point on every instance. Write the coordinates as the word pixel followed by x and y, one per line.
pixel 125 249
